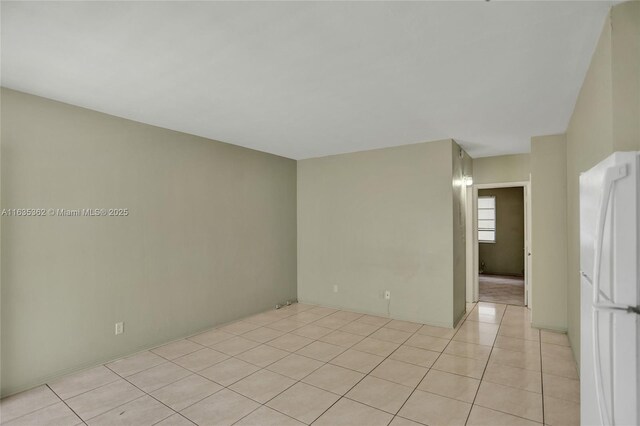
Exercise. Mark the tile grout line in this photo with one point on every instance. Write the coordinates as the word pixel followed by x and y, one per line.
pixel 166 360
pixel 204 377
pixel 233 383
pixel 135 399
pixel 431 367
pixel 196 373
pixel 266 368
pixel 347 348
pixel 473 403
pixel 308 384
pixel 33 411
pixel 64 402
pixel 81 393
pixel 400 384
pixel 259 369
pixel 422 379
pixel 504 412
pixel 329 361
pixel 324 363
pixel 366 375
pixel 464 319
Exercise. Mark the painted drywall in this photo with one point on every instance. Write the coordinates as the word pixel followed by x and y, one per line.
pixel 589 140
pixel 373 221
pixel 500 169
pixel 210 236
pixel 625 76
pixel 506 255
pixel 605 119
pixel 549 236
pixel 462 166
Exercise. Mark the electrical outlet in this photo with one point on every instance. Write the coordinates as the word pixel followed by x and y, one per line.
pixel 387 294
pixel 119 328
pixel 335 288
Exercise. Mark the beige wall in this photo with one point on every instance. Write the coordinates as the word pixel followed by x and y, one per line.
pixel 502 168
pixel 625 76
pixel 374 221
pixel 506 255
pixel 549 236
pixel 211 236
pixel 605 119
pixel 589 140
pixel 461 167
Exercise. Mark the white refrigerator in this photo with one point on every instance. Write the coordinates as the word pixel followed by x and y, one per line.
pixel 610 295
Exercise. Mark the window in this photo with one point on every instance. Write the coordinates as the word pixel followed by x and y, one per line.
pixel 487 219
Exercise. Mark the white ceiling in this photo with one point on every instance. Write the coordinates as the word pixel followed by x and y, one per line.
pixel 302 79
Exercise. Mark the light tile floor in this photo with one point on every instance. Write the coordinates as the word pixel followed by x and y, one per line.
pixel 501 289
pixel 306 364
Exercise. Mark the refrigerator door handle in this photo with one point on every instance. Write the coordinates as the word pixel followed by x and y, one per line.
pixel 603 410
pixel 613 307
pixel 610 305
pixel 612 174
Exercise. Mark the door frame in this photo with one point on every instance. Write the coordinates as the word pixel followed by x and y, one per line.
pixel 472 238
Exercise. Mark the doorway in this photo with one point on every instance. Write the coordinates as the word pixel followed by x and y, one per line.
pixel 499 270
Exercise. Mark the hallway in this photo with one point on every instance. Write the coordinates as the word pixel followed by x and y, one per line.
pixel 501 289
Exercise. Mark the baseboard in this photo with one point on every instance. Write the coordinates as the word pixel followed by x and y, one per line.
pixel 549 327
pixel 378 314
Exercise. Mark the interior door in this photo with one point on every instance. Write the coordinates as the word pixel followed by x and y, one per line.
pixel 527 246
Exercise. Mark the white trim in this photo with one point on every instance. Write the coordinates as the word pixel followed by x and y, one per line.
pixel 469 242
pixel 522 183
pixel 472 293
pixel 495 221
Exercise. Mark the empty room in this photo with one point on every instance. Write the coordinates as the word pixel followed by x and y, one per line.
pixel 319 213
